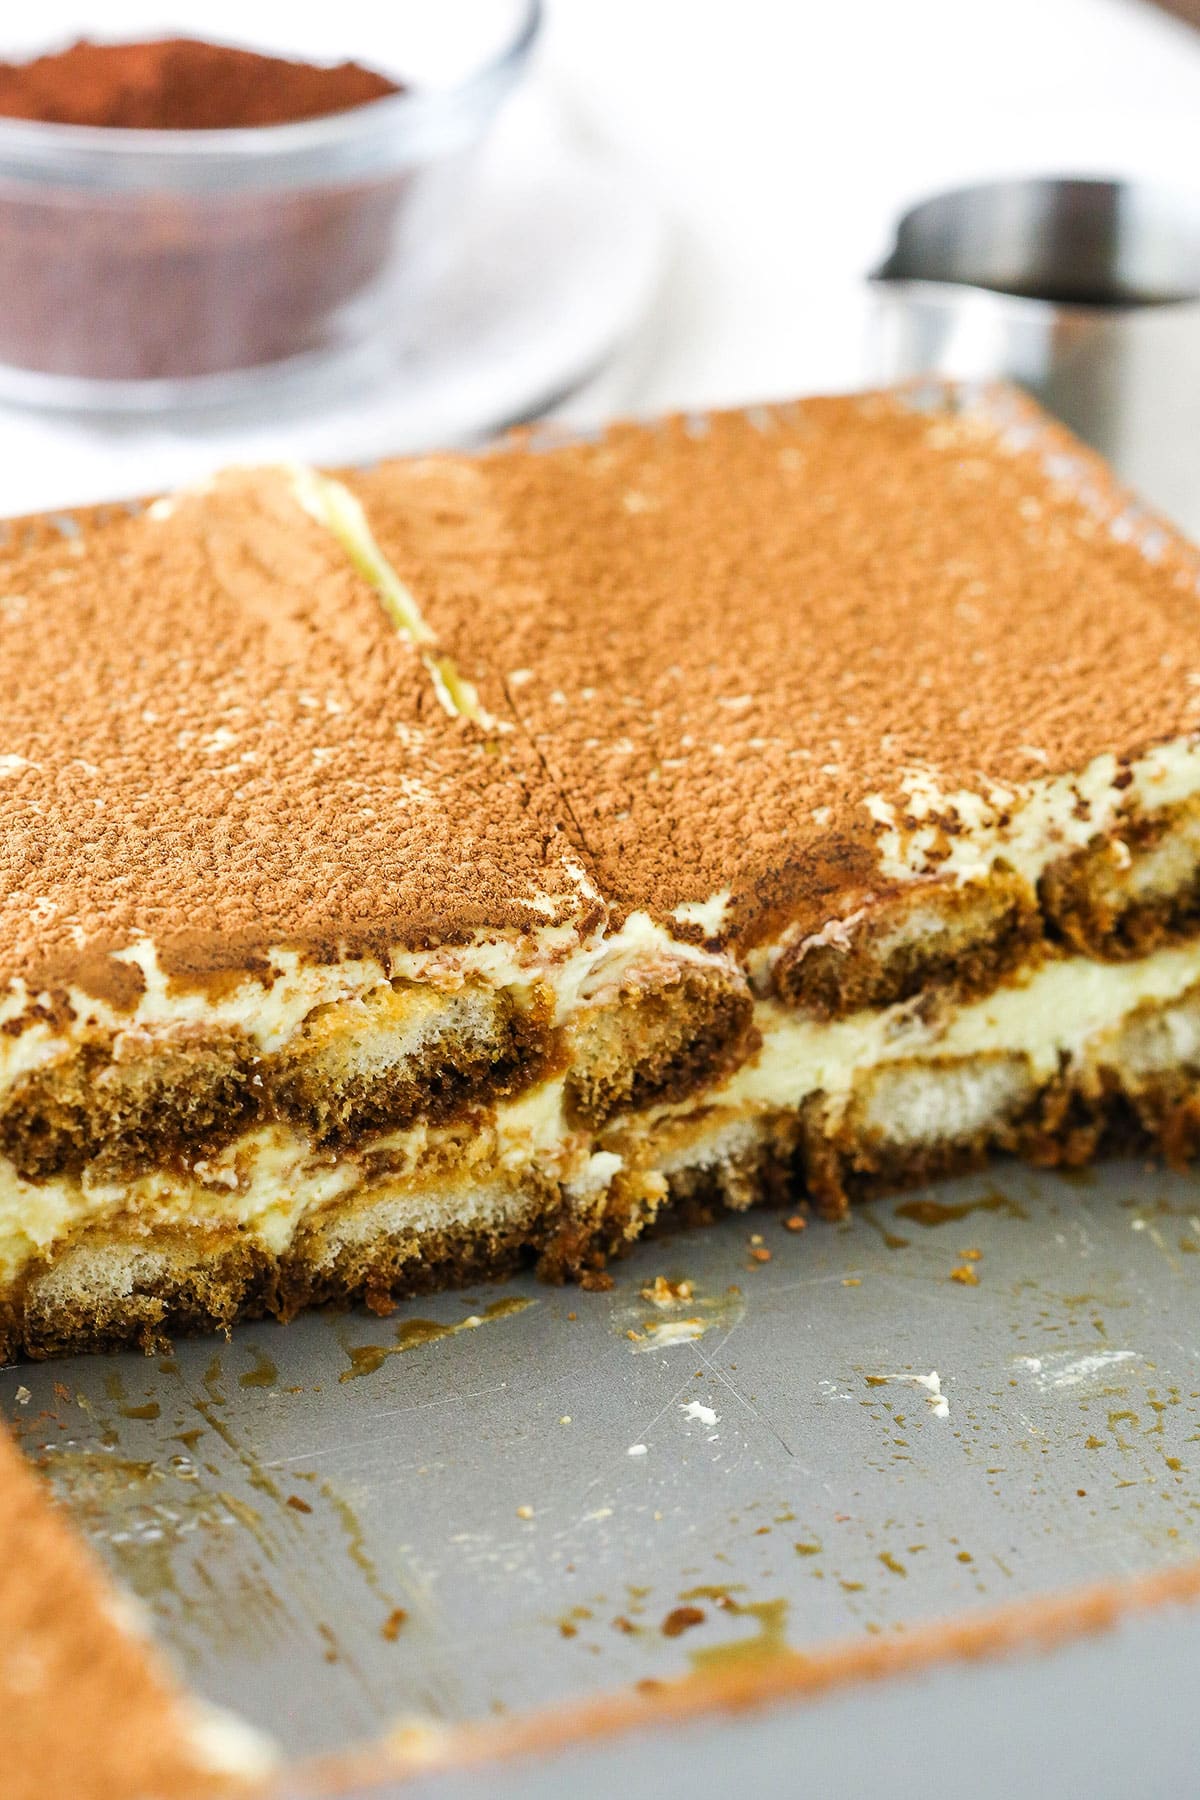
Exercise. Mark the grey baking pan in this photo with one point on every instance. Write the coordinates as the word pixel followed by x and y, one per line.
pixel 505 1500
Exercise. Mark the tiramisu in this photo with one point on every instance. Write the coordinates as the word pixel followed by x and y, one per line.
pixel 412 872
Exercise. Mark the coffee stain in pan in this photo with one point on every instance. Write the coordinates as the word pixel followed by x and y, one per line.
pixel 413 1334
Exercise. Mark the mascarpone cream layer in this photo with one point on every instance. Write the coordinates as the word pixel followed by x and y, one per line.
pixel 1029 824
pixel 270 1180
pixel 272 1012
pixel 1065 1008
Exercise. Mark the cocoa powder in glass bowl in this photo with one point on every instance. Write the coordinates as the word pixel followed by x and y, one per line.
pixel 180 219
pixel 180 84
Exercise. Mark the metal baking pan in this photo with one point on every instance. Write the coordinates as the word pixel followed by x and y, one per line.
pixel 501 1501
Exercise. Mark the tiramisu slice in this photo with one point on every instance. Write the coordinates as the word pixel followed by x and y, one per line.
pixel 410 872
pixel 894 698
pixel 298 942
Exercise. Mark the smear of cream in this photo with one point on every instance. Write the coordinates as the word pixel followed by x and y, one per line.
pixel 695 1314
pixel 1054 1372
pixel 696 1409
pixel 333 506
pixel 670 1331
pixel 939 1405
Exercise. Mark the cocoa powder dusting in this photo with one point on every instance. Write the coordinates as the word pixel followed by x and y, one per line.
pixel 730 632
pixel 88 1712
pixel 705 649
pixel 214 736
pixel 180 84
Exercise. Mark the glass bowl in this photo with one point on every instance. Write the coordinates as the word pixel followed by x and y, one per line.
pixel 148 270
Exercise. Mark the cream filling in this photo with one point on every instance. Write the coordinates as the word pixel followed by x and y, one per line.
pixel 1060 1009
pixel 269 1181
pixel 1030 824
pixel 709 915
pixel 578 971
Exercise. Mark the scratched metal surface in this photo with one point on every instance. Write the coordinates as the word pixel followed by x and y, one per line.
pixel 350 1521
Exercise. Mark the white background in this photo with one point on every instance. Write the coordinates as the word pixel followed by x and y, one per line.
pixel 785 138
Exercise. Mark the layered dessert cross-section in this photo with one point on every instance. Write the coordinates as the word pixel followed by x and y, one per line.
pixel 894 699
pixel 413 872
pixel 301 950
